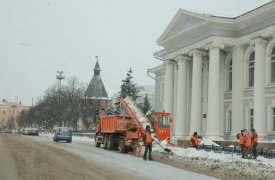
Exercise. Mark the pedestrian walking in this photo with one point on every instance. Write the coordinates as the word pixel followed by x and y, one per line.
pixel 147 139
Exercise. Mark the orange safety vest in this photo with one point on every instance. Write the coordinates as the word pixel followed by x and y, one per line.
pixel 255 140
pixel 148 137
pixel 248 140
pixel 196 139
pixel 241 139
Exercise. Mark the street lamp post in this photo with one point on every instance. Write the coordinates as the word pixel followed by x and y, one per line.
pixel 59 77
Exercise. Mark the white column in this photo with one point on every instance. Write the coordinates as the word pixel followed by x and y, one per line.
pixel 213 119
pixel 237 90
pixel 181 123
pixel 205 75
pixel 196 100
pixel 174 125
pixel 259 85
pixel 168 87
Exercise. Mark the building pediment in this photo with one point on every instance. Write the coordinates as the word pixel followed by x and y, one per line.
pixel 189 30
pixel 182 22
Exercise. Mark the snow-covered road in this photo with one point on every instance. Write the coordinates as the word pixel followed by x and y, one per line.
pixel 84 147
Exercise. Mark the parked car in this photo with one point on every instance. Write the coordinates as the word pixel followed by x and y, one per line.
pixel 33 131
pixel 63 134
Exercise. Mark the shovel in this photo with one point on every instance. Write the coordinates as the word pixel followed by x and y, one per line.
pixel 165 149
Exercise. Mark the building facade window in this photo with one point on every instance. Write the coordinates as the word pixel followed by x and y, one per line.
pixel 273 119
pixel 272 60
pixel 251 69
pixel 230 75
pixel 251 125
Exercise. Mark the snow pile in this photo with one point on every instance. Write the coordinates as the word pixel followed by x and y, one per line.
pixel 219 165
pixel 231 146
pixel 138 113
pixel 164 142
pixel 208 142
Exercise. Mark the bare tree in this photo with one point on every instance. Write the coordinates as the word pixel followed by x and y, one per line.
pixel 49 111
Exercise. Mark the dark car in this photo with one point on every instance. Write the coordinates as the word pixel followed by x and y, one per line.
pixel 33 132
pixel 63 134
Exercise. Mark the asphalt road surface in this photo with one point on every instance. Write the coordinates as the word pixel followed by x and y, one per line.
pixel 35 158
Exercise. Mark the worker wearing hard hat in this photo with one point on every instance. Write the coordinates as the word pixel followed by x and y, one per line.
pixel 147 139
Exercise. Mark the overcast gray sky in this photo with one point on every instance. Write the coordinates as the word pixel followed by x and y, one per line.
pixel 39 37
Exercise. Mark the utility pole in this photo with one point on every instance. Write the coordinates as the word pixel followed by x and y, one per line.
pixel 59 77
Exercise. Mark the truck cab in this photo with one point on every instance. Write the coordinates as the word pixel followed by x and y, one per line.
pixel 161 125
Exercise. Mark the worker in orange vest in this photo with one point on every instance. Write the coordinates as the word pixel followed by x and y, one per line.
pixel 147 139
pixel 240 137
pixel 255 138
pixel 247 144
pixel 194 140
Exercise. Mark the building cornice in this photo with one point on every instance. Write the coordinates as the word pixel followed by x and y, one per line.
pixel 242 28
pixel 158 70
pixel 228 41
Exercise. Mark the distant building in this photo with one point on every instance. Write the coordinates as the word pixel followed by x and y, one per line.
pixel 9 112
pixel 96 98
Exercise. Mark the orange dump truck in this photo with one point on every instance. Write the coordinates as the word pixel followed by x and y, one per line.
pixel 123 132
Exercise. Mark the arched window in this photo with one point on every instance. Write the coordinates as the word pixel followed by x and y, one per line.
pixel 230 75
pixel 251 69
pixel 272 61
pixel 13 106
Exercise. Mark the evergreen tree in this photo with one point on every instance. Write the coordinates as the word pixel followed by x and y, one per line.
pixel 129 88
pixel 146 106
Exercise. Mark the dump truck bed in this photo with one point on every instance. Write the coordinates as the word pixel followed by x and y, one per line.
pixel 114 123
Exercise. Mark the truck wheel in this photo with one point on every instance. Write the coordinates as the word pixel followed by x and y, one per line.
pixel 122 146
pixel 97 144
pixel 105 142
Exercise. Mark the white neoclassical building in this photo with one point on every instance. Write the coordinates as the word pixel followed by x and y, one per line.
pixel 218 74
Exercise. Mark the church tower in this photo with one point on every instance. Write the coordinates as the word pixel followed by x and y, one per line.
pixel 96 98
pixel 96 89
